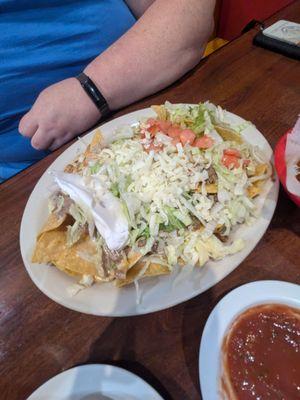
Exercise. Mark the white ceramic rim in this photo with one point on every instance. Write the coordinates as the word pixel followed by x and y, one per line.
pixel 52 389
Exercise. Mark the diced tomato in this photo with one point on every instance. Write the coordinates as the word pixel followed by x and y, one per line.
pixel 152 121
pixel 153 126
pixel 232 152
pixel 205 142
pixel 175 141
pixel 153 130
pixel 246 163
pixel 164 126
pixel 154 147
pixel 156 125
pixel 174 131
pixel 143 133
pixel 230 161
pixel 187 136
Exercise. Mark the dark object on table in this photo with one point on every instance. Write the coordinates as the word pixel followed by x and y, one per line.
pixel 278 46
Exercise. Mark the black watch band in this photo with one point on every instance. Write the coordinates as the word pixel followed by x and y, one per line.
pixel 94 93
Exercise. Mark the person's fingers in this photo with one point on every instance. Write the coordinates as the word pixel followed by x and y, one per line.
pixel 58 142
pixel 28 125
pixel 41 140
pixel 55 144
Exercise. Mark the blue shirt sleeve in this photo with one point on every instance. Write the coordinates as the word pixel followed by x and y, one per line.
pixel 43 42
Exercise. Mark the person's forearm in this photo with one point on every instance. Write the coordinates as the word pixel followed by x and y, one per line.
pixel 165 42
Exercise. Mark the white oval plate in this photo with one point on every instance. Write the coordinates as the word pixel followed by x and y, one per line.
pixel 157 293
pixel 220 319
pixel 95 382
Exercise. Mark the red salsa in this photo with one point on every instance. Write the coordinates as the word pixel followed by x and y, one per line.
pixel 261 355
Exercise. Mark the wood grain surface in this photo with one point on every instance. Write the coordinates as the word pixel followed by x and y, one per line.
pixel 39 338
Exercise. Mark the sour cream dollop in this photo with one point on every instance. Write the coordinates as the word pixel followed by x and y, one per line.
pixel 98 201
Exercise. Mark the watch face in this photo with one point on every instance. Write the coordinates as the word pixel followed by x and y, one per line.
pixel 284 31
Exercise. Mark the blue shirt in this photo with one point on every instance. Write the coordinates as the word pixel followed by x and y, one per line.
pixel 43 42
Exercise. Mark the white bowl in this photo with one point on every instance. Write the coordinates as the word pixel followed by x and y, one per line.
pixel 95 382
pixel 220 319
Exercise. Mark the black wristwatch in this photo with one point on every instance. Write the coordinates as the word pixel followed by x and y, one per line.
pixel 94 93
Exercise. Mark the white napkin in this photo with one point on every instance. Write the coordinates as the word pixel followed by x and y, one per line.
pixel 292 157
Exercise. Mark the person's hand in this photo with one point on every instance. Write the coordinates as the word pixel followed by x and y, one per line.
pixel 60 112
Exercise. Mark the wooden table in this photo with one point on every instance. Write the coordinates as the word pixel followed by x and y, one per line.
pixel 40 338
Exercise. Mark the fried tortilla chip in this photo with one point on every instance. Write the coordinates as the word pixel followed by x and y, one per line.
pixel 161 112
pixel 253 191
pixel 261 169
pixel 128 262
pixel 152 270
pixel 53 222
pixel 75 167
pixel 51 247
pixel 81 257
pixel 211 188
pixel 82 160
pixel 228 134
pixel 94 146
pixel 256 188
pixel 120 261
pixel 48 247
pixel 97 139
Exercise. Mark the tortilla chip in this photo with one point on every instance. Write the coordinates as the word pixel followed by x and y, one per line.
pixel 48 246
pixel 228 134
pixel 97 139
pixel 152 270
pixel 53 222
pixel 68 271
pixel 128 262
pixel 161 112
pixel 261 169
pixel 156 269
pixel 93 147
pixel 211 188
pixel 51 248
pixel 219 228
pixel 256 188
pixel 76 166
pixel 253 191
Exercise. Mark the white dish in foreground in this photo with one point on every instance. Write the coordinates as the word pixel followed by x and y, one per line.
pixel 220 319
pixel 95 382
pixel 157 293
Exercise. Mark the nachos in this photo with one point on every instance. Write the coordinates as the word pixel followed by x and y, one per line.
pixel 168 191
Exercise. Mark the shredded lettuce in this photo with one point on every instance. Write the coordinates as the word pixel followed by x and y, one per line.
pixel 94 169
pixel 167 196
pixel 174 222
pixel 198 125
pixel 145 233
pixel 115 189
pixel 75 231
